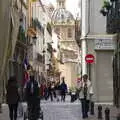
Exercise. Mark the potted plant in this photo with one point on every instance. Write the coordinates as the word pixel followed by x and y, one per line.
pixel 107 5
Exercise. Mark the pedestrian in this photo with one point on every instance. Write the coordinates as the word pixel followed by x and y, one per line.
pixel 57 90
pixel 32 94
pixel 86 92
pixel 46 92
pixel 63 88
pixel 12 97
pixel 53 89
pixel 42 90
pixel 50 90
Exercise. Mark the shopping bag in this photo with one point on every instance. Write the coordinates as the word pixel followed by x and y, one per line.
pixel 20 110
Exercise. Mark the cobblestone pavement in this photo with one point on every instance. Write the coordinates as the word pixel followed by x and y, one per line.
pixel 64 111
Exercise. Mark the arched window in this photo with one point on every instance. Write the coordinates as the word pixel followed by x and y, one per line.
pixel 69 32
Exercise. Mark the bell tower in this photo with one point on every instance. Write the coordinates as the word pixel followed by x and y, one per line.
pixel 61 3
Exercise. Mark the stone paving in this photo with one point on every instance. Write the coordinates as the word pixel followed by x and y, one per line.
pixel 64 111
pixel 61 111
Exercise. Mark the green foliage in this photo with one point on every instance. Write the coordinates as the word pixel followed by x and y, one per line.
pixel 21 34
pixel 105 8
pixel 107 5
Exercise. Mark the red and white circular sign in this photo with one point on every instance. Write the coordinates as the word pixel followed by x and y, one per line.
pixel 89 58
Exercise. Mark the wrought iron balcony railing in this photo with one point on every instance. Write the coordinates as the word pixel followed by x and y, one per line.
pixel 111 9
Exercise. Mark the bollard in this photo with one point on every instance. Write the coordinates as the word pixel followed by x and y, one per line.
pixel 92 108
pixel 118 116
pixel 100 112
pixel 107 114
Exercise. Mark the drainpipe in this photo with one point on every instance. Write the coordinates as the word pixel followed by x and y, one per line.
pixel 85 20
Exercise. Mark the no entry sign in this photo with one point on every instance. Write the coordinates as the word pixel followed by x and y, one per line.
pixel 89 58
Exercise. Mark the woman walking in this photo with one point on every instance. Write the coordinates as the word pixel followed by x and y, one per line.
pixel 12 97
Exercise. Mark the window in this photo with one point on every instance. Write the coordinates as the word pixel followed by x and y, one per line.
pixel 62 3
pixel 57 30
pixel 69 32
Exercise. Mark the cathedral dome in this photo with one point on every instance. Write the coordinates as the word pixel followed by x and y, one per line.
pixel 62 15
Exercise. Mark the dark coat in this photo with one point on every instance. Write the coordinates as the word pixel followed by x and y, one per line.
pixel 12 95
pixel 32 96
pixel 63 87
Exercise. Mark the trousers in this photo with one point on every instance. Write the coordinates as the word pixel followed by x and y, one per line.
pixel 13 111
pixel 85 107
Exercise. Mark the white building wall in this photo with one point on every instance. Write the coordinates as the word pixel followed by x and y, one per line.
pixel 48 39
pixel 84 17
pixel 94 27
pixel 55 43
pixel 38 45
pixel 97 20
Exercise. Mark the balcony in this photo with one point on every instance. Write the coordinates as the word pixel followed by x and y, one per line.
pixel 40 58
pixel 50 49
pixel 38 25
pixel 111 9
pixel 21 35
pixel 32 29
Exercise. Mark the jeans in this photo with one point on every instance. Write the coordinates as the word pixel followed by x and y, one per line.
pixel 85 107
pixel 63 95
pixel 13 111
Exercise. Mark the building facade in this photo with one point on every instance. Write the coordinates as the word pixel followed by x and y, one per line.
pixel 40 51
pixel 9 22
pixel 113 27
pixel 36 47
pixel 64 25
pixel 95 41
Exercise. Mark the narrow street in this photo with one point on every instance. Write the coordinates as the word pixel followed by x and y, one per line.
pixel 60 48
pixel 54 110
pixel 62 110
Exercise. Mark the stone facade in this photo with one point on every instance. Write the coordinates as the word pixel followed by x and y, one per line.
pixel 9 22
pixel 64 25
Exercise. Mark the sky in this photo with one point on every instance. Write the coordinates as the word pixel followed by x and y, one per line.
pixel 71 5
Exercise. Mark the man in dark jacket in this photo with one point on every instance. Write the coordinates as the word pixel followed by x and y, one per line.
pixel 63 88
pixel 12 97
pixel 33 98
